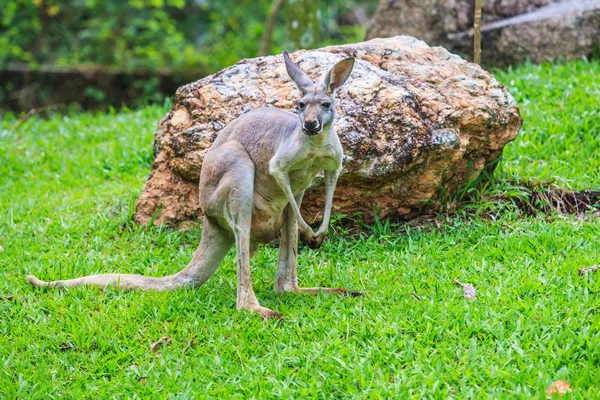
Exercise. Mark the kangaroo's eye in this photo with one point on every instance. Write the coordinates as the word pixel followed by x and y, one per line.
pixel 327 106
pixel 301 105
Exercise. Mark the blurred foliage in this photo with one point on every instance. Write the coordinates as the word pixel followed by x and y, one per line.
pixel 302 22
pixel 183 35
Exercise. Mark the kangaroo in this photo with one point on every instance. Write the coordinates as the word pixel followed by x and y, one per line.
pixel 252 182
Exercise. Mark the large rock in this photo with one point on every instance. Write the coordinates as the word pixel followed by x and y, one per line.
pixel 411 118
pixel 513 30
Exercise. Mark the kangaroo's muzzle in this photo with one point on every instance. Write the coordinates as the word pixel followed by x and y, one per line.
pixel 312 128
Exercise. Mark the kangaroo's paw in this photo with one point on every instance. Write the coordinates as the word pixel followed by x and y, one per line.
pixel 311 240
pixel 264 312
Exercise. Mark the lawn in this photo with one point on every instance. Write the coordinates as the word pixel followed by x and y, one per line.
pixel 559 141
pixel 67 189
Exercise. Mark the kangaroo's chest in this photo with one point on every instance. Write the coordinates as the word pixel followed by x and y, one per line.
pixel 305 172
pixel 270 200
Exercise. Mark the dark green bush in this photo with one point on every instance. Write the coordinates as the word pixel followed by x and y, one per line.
pixel 184 35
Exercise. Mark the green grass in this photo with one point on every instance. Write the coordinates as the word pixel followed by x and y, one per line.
pixel 560 139
pixel 67 190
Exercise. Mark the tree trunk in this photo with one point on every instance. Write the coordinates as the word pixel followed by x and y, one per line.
pixel 265 46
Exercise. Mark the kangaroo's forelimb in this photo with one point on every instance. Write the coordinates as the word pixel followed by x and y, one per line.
pixel 330 182
pixel 315 240
pixel 283 180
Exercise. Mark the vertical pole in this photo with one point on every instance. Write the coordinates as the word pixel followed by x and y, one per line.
pixel 477 35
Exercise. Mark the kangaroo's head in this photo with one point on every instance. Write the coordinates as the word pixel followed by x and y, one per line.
pixel 316 107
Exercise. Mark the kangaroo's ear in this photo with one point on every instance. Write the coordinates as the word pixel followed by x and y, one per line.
pixel 338 75
pixel 297 75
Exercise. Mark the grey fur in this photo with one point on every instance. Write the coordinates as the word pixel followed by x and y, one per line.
pixel 251 186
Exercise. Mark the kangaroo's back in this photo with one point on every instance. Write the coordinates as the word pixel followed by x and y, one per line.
pixel 260 131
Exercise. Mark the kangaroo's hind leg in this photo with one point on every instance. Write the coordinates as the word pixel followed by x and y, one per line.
pixel 285 278
pixel 234 201
pixel 245 293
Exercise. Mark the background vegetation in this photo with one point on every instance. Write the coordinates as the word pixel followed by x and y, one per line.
pixel 180 35
pixel 154 46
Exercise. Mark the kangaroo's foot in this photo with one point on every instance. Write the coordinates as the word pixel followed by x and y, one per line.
pixel 250 303
pixel 264 312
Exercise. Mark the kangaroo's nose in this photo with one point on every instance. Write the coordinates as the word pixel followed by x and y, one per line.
pixel 311 125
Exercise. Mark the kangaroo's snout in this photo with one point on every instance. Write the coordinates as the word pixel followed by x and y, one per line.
pixel 312 127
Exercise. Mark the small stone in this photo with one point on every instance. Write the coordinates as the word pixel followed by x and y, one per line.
pixel 558 388
pixel 180 117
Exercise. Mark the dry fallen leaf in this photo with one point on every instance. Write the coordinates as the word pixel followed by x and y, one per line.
pixel 64 346
pixel 189 346
pixel 469 291
pixel 558 388
pixel 12 298
pixel 142 380
pixel 164 339
pixel 1 249
pixel 593 268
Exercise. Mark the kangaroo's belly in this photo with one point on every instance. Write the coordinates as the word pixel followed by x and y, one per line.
pixel 267 218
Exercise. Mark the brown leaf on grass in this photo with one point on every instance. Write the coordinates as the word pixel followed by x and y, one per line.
pixel 164 339
pixel 12 298
pixel 65 346
pixel 558 388
pixel 189 346
pixel 142 380
pixel 469 291
pixel 593 268
pixel 1 249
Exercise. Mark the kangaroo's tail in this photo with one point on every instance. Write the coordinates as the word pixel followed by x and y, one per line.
pixel 214 245
pixel 121 281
